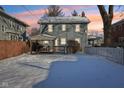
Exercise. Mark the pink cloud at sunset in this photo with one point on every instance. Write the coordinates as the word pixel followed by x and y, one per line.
pixel 95 18
pixel 96 21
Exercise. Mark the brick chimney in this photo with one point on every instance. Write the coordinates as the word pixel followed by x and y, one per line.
pixel 83 14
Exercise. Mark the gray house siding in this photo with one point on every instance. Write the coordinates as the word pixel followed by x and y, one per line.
pixel 10 28
pixel 69 33
pixel 70 29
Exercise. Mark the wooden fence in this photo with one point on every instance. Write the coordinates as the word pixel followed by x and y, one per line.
pixel 12 48
pixel 113 54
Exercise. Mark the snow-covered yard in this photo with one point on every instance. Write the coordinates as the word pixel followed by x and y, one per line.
pixel 87 71
pixel 55 70
pixel 25 70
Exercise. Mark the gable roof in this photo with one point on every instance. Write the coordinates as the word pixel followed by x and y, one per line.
pixel 72 19
pixel 43 37
pixel 119 22
pixel 15 19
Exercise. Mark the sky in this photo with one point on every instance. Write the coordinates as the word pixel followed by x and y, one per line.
pixel 36 11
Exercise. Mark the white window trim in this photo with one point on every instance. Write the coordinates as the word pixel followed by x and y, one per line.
pixel 56 42
pixel 63 27
pixel 77 28
pixel 63 41
pixel 78 40
pixel 50 28
pixel 46 42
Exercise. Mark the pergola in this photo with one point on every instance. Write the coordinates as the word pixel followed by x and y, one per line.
pixel 42 38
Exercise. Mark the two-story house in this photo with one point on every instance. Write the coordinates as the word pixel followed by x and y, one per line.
pixel 10 27
pixel 65 28
pixel 118 31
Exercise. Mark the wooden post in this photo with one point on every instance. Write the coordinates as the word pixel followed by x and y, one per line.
pixel 30 47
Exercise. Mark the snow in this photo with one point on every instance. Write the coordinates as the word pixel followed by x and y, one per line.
pixel 86 72
pixel 25 70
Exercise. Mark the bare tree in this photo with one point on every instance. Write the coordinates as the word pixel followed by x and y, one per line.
pixel 120 8
pixel 35 31
pixel 74 13
pixel 54 10
pixel 2 9
pixel 107 16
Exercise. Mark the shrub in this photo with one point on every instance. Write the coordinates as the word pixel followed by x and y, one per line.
pixel 73 46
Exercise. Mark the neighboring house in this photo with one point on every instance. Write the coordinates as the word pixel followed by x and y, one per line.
pixel 118 33
pixel 65 28
pixel 10 27
pixel 95 40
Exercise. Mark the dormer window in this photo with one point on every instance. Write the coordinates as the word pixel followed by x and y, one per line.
pixel 77 28
pixel 50 28
pixel 63 27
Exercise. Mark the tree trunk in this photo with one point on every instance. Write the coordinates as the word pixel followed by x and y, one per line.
pixel 107 17
pixel 107 34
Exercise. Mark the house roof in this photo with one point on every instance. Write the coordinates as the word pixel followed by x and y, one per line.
pixel 43 37
pixel 119 22
pixel 15 19
pixel 93 37
pixel 72 19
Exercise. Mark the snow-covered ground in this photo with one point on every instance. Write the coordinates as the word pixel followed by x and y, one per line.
pixel 87 71
pixel 55 70
pixel 26 70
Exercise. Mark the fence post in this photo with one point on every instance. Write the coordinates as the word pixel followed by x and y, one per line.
pixel 123 56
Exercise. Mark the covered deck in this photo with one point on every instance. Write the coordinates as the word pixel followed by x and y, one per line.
pixel 42 43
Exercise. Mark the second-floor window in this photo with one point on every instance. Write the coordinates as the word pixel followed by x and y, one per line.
pixel 63 27
pixel 10 24
pixel 77 28
pixel 3 28
pixel 50 28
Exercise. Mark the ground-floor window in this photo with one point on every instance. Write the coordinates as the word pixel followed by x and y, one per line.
pixel 63 41
pixel 56 42
pixel 78 40
pixel 46 42
pixel 121 39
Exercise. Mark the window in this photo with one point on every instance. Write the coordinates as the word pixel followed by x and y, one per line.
pixel 63 41
pixel 18 27
pixel 63 27
pixel 121 39
pixel 46 42
pixel 77 39
pixel 50 28
pixel 3 28
pixel 56 42
pixel 21 28
pixel 77 29
pixel 117 27
pixel 10 23
pixel 122 26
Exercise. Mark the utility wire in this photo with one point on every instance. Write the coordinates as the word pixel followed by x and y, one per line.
pixel 29 11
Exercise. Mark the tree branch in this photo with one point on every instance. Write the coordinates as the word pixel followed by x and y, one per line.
pixel 111 11
pixel 102 11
